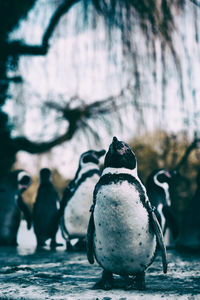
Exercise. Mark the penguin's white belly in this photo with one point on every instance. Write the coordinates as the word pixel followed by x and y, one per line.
pixel 123 242
pixel 77 213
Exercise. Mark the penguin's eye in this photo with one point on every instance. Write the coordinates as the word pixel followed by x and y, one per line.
pixel 86 159
pixel 163 178
pixel 25 180
pixel 90 158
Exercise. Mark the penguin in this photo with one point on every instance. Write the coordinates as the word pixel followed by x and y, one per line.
pixel 158 191
pixel 77 199
pixel 12 185
pixel 189 238
pixel 46 210
pixel 123 231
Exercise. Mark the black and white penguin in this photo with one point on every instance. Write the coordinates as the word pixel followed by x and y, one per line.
pixel 123 231
pixel 77 199
pixel 46 209
pixel 157 186
pixel 12 186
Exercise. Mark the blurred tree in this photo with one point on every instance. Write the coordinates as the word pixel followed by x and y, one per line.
pixel 156 19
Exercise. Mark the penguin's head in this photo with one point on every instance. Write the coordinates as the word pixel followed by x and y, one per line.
pixel 161 179
pixel 23 180
pixel 45 175
pixel 120 155
pixel 91 156
pixel 162 176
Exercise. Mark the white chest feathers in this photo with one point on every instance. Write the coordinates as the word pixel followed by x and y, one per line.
pixel 76 215
pixel 123 241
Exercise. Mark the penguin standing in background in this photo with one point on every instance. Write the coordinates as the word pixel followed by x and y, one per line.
pixel 12 186
pixel 189 238
pixel 157 186
pixel 123 231
pixel 77 199
pixel 46 210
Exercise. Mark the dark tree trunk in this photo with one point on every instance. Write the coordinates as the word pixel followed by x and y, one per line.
pixel 11 13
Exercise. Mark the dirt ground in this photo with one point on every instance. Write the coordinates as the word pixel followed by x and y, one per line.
pixel 29 274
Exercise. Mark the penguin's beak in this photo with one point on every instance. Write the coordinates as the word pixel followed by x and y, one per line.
pixel 115 139
pixel 100 153
pixel 118 146
pixel 114 143
pixel 97 155
pixel 167 174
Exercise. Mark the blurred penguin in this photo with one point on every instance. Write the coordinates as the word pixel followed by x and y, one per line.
pixel 46 210
pixel 12 203
pixel 77 199
pixel 189 238
pixel 157 186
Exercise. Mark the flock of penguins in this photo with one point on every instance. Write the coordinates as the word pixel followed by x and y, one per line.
pixel 111 214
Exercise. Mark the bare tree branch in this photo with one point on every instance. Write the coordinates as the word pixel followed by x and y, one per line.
pixel 61 10
pixel 24 144
pixel 77 118
pixel 196 2
pixel 84 112
pixel 18 47
pixel 184 158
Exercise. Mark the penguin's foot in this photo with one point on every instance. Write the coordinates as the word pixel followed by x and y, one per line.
pixel 105 283
pixel 80 245
pixel 69 247
pixel 129 283
pixel 54 244
pixel 40 245
pixel 140 281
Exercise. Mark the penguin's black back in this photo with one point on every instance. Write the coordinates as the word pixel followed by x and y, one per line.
pixel 192 213
pixel 45 211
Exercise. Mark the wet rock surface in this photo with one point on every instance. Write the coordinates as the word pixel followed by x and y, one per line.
pixel 26 273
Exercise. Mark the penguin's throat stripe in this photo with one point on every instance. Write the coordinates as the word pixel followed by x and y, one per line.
pixel 84 176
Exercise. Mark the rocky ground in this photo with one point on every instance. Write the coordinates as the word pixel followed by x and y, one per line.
pixel 29 274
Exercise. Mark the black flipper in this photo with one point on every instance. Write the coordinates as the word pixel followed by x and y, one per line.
pixel 27 213
pixel 90 238
pixel 171 220
pixel 159 235
pixel 67 194
pixel 158 216
pixel 63 228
